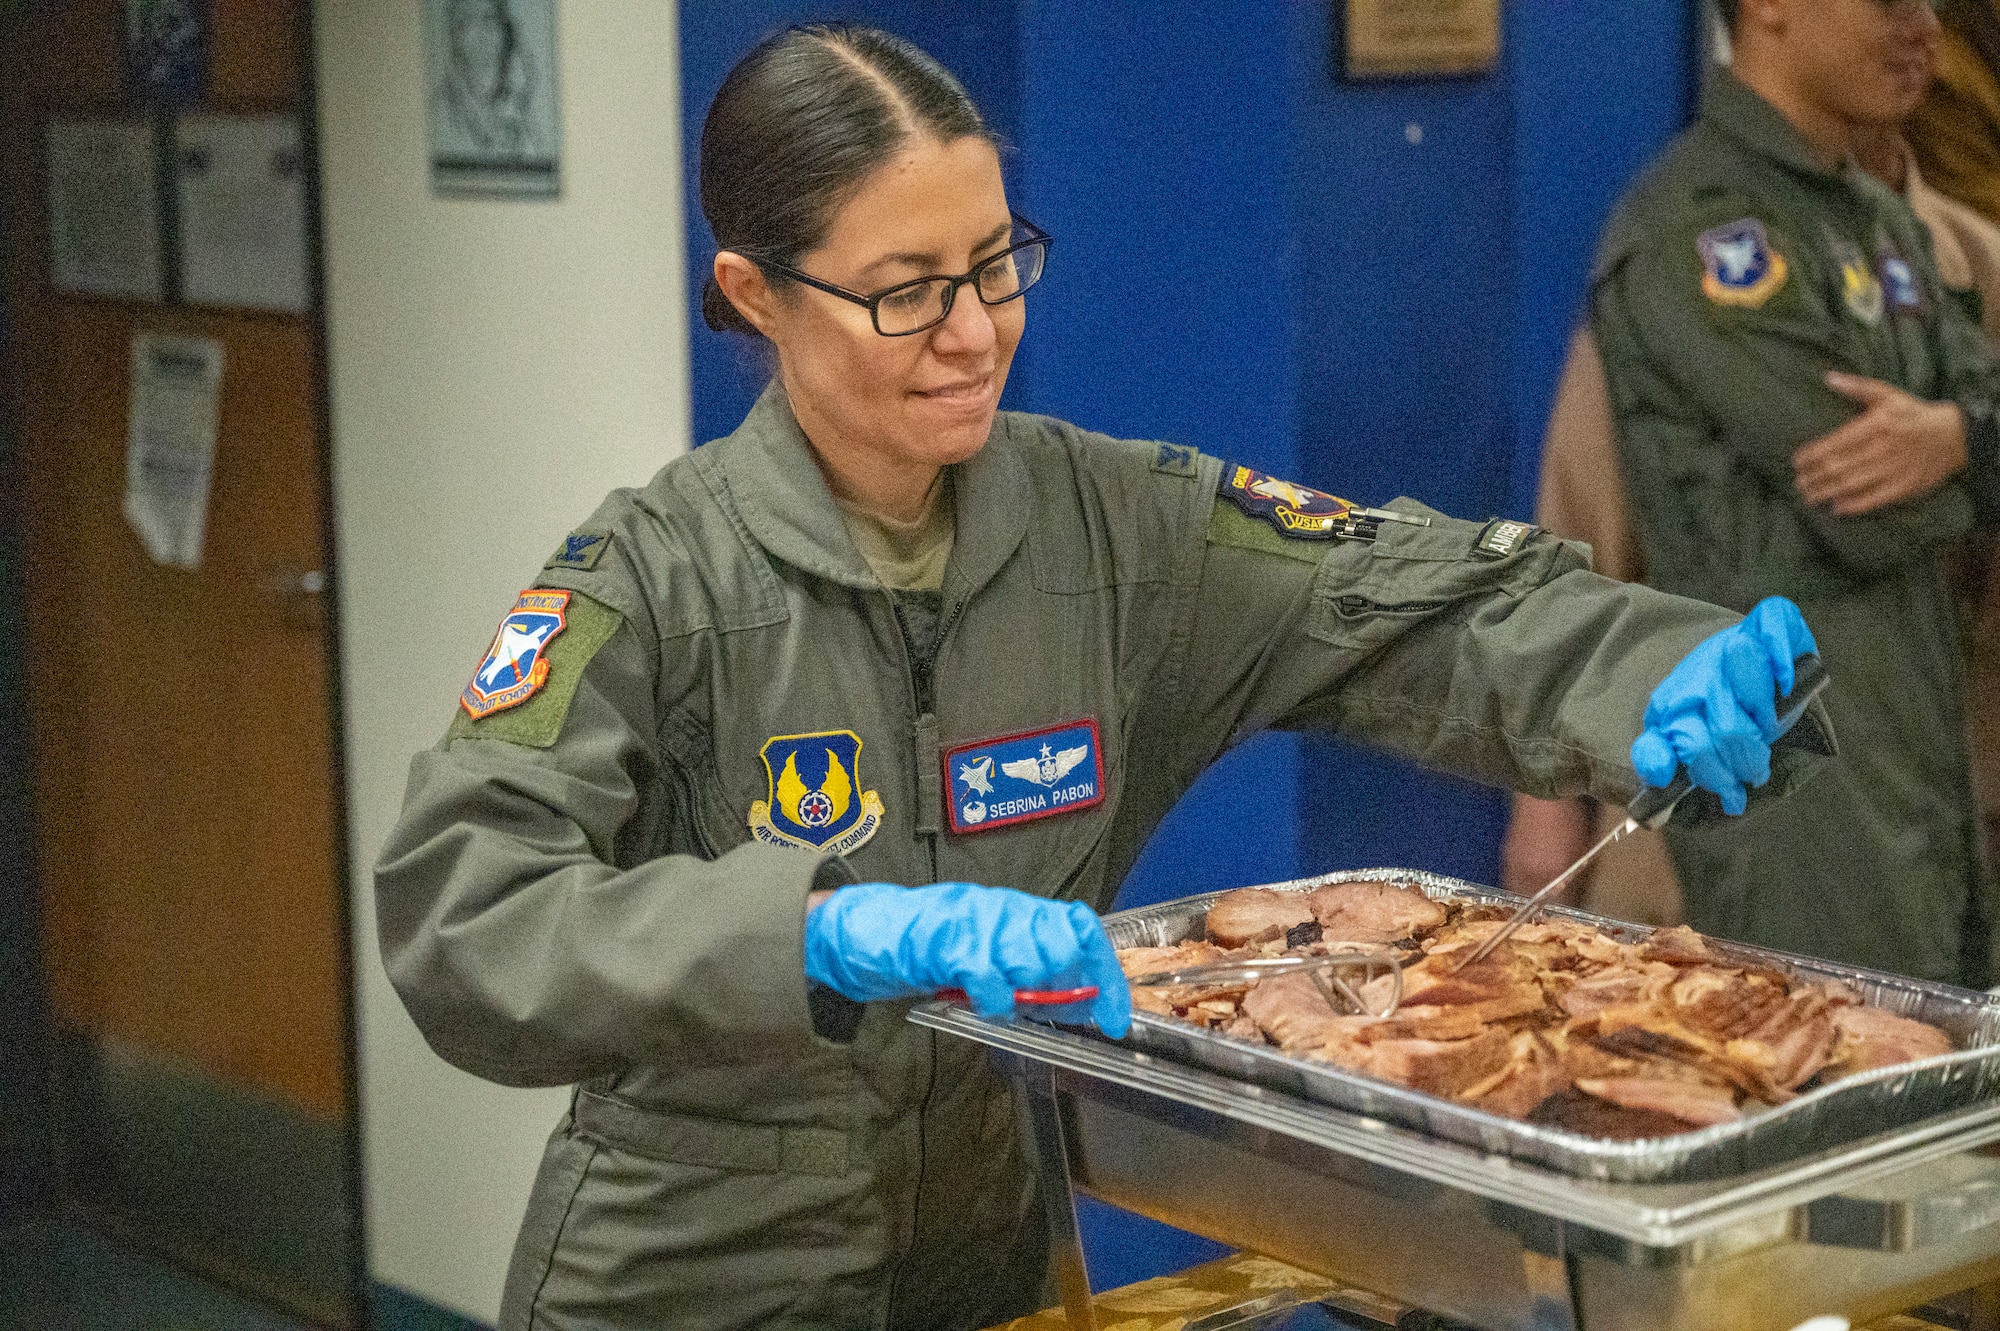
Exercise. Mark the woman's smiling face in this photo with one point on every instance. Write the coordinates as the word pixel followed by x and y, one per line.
pixel 928 399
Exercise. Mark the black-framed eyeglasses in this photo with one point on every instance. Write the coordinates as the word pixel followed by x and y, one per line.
pixel 925 302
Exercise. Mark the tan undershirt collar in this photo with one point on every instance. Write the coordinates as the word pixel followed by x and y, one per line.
pixel 906 556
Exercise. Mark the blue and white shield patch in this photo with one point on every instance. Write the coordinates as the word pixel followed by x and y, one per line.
pixel 1739 264
pixel 1018 778
pixel 516 666
pixel 816 801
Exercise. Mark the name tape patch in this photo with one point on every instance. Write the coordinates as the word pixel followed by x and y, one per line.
pixel 516 666
pixel 1019 778
pixel 1502 537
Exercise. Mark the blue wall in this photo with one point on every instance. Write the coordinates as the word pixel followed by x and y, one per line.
pixel 1367 288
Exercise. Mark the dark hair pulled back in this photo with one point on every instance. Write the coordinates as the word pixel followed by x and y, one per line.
pixel 799 123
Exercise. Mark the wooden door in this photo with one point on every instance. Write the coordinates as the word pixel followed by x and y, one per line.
pixel 185 787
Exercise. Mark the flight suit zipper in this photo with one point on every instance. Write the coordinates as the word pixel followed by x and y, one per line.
pixel 921 678
pixel 1350 606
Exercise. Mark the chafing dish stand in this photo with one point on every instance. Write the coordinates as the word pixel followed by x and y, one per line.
pixel 1863 1229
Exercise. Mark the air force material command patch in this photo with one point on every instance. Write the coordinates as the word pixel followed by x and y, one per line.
pixel 516 666
pixel 1739 265
pixel 816 801
pixel 1017 778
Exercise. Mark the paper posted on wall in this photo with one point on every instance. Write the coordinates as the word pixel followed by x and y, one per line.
pixel 170 447
pixel 104 224
pixel 241 185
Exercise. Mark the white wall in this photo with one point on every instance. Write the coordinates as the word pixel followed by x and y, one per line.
pixel 497 366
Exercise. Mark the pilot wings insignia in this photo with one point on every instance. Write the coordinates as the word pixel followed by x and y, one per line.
pixel 1047 769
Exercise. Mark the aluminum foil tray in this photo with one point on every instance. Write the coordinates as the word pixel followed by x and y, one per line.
pixel 1846 1110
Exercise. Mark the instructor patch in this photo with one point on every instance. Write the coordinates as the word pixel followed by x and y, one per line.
pixel 1019 778
pixel 516 665
pixel 1295 510
pixel 1740 267
pixel 546 676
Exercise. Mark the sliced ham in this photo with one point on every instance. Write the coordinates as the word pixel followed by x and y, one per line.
pixel 1255 915
pixel 1533 1072
pixel 1698 1103
pixel 1293 1014
pixel 1563 1024
pixel 1439 1067
pixel 1869 1038
pixel 1678 946
pixel 1373 912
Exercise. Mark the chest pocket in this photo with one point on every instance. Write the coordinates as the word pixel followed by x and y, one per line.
pixel 692 816
pixel 1366 596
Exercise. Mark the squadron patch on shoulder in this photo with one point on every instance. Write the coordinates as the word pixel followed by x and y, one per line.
pixel 1018 778
pixel 1502 537
pixel 580 549
pixel 1905 295
pixel 1740 265
pixel 816 802
pixel 1295 510
pixel 516 665
pixel 1177 460
pixel 1860 289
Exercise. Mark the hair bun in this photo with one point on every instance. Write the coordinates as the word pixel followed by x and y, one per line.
pixel 719 314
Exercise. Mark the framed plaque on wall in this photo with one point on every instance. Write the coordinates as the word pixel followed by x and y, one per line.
pixel 1414 39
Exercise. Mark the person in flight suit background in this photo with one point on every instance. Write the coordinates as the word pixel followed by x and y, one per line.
pixel 1582 498
pixel 720 799
pixel 1804 410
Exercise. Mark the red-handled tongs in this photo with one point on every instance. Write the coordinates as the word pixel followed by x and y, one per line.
pixel 1325 972
pixel 1029 997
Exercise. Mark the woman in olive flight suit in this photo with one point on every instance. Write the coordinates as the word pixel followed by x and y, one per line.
pixel 886 635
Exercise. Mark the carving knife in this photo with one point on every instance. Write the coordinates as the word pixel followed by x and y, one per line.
pixel 1652 806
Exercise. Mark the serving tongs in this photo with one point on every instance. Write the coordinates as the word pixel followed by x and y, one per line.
pixel 1651 807
pixel 1325 972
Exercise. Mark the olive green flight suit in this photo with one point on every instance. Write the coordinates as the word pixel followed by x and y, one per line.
pixel 1716 361
pixel 573 894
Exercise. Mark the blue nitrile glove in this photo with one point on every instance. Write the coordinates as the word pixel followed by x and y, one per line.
pixel 1717 712
pixel 877 940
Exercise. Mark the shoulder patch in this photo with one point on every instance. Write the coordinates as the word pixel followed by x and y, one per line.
pixel 580 549
pixel 538 664
pixel 1297 511
pixel 1177 460
pixel 1739 264
pixel 1502 537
